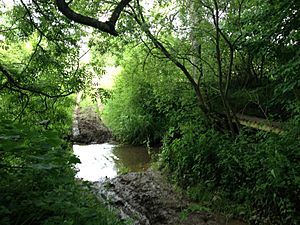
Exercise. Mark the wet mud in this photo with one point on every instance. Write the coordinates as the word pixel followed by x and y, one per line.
pixel 143 198
pixel 146 198
pixel 88 128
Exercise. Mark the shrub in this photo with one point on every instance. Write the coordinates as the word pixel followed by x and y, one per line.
pixel 260 172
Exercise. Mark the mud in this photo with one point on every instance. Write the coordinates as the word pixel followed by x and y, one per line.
pixel 148 199
pixel 88 128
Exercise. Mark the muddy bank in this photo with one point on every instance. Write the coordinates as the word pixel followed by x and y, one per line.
pixel 148 199
pixel 88 127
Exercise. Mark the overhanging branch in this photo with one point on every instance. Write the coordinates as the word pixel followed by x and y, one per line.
pixel 18 87
pixel 108 26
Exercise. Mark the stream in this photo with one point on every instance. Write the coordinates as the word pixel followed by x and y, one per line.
pixel 121 177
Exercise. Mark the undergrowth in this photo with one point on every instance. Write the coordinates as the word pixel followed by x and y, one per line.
pixel 255 175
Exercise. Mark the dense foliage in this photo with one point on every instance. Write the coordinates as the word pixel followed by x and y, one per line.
pixel 256 172
pixel 192 72
pixel 38 184
pixel 137 113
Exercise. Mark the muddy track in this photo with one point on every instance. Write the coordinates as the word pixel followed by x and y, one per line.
pixel 148 199
pixel 88 128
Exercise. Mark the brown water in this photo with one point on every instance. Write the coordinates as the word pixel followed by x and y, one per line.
pixel 108 160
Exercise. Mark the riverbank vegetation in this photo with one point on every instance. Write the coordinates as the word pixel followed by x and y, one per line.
pixel 215 82
pixel 253 174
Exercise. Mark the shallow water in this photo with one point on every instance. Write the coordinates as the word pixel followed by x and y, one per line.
pixel 108 160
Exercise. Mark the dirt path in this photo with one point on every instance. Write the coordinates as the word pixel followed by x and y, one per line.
pixel 88 127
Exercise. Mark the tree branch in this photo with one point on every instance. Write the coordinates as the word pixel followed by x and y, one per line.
pixel 23 107
pixel 107 27
pixel 32 20
pixel 13 82
pixel 33 54
pixel 145 28
pixel 117 12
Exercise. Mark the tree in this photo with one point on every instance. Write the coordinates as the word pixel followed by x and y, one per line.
pixel 136 11
pixel 38 64
pixel 223 36
pixel 107 26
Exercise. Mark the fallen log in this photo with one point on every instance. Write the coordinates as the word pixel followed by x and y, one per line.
pixel 260 123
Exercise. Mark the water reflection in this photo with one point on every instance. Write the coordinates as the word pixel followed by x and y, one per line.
pixel 131 158
pixel 107 160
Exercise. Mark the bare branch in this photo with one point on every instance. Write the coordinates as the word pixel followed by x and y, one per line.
pixel 107 27
pixel 23 107
pixel 33 54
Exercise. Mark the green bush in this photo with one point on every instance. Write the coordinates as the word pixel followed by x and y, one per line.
pixel 128 112
pixel 147 100
pixel 142 98
pixel 260 171
pixel 256 172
